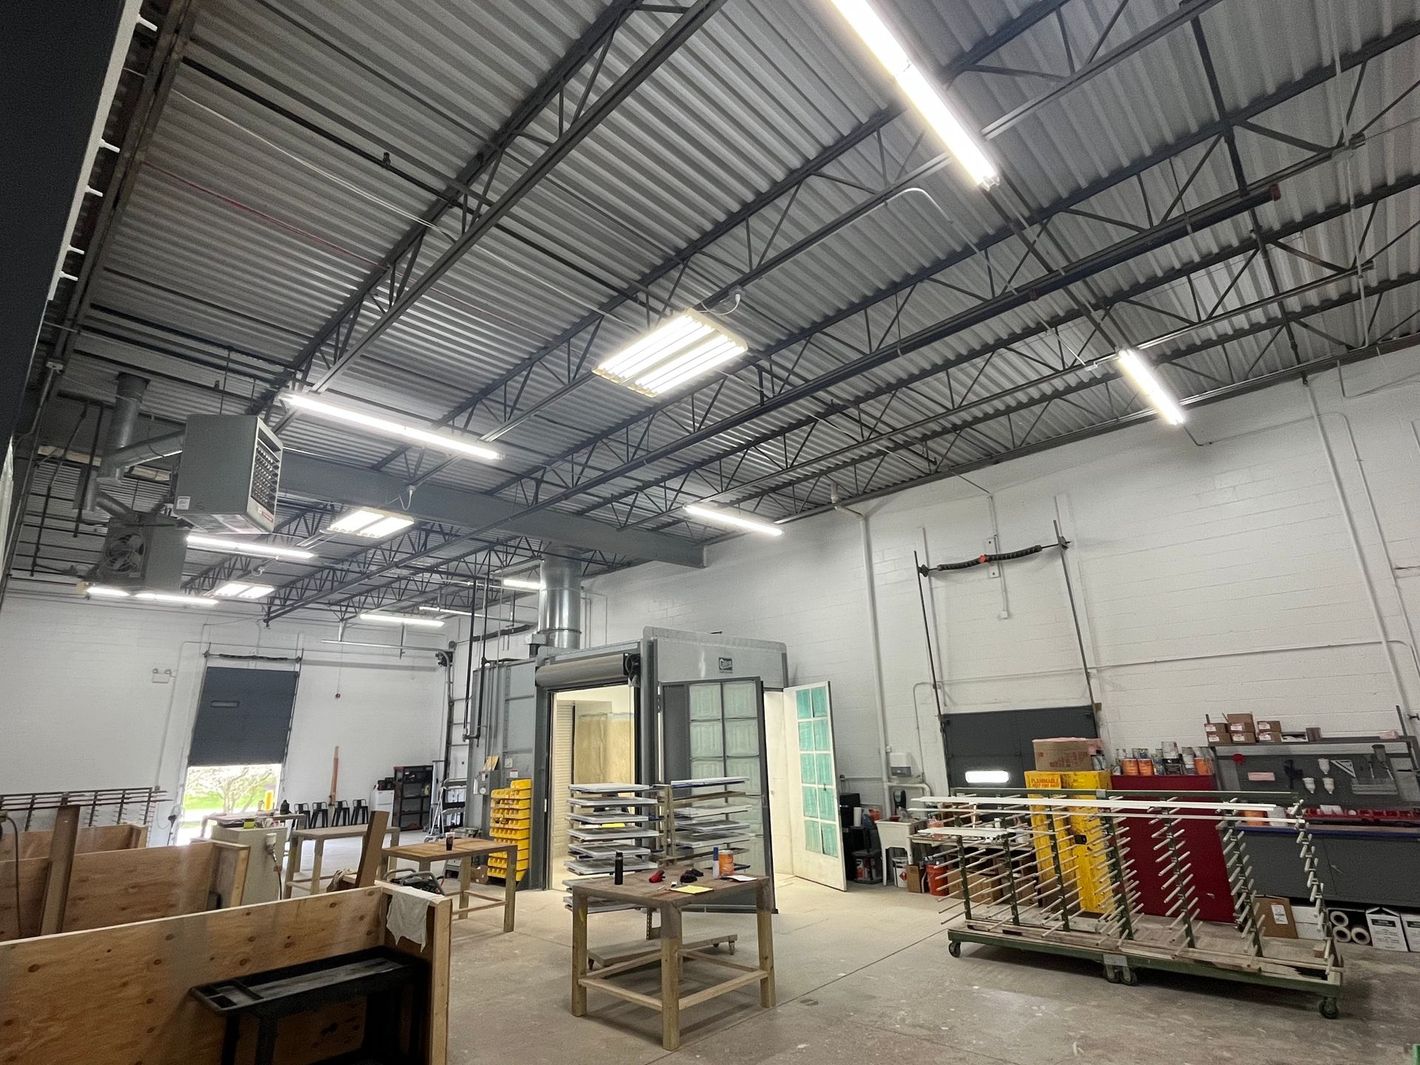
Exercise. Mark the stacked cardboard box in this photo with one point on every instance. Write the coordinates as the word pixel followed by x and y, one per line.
pixel 1269 731
pixel 1241 728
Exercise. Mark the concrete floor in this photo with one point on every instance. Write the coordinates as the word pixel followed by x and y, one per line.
pixel 864 976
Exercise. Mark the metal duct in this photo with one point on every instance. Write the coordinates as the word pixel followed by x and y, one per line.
pixel 559 604
pixel 121 427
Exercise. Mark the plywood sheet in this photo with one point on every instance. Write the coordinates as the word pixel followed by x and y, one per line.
pixel 120 887
pixel 120 995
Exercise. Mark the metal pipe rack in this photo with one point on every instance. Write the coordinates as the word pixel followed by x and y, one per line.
pixel 1051 873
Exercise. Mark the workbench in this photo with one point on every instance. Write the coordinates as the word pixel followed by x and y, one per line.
pixel 671 904
pixel 464 851
pixel 319 836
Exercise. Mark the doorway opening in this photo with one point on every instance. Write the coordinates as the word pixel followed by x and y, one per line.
pixel 219 789
pixel 593 742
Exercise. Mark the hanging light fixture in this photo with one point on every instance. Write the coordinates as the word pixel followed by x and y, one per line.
pixel 733 519
pixel 458 446
pixel 402 619
pixel 374 524
pixel 242 590
pixel 683 347
pixel 1150 385
pixel 920 90
pixel 247 547
pixel 176 598
pixel 526 584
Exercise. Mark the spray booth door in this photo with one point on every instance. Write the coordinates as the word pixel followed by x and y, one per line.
pixel 814 828
pixel 715 728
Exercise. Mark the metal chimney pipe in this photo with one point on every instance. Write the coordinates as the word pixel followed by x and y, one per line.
pixel 121 428
pixel 559 604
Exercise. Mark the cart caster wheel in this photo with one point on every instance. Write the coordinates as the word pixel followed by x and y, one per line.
pixel 1128 977
pixel 1330 1009
pixel 1111 976
pixel 954 949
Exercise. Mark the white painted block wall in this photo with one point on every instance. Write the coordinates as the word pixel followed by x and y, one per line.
pixel 1209 579
pixel 81 708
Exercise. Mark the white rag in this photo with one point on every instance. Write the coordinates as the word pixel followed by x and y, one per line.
pixel 406 918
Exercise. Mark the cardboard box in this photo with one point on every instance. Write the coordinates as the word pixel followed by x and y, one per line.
pixel 1268 737
pixel 1066 753
pixel 1386 929
pixel 1410 925
pixel 1313 734
pixel 914 878
pixel 1215 733
pixel 1274 917
pixel 1242 737
pixel 1240 719
pixel 1268 726
pixel 1308 921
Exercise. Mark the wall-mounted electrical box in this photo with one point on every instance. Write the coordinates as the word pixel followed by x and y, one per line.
pixel 144 553
pixel 229 474
pixel 900 763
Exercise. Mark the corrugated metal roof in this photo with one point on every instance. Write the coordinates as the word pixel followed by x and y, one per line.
pixel 300 143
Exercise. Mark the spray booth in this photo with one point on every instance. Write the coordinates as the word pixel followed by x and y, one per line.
pixel 671 706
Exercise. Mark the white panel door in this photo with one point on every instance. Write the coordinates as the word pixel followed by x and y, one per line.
pixel 816 832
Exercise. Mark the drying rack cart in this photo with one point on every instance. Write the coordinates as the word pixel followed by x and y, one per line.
pixel 698 817
pixel 1053 875
pixel 607 819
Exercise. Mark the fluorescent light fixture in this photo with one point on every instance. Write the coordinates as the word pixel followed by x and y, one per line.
pixel 920 90
pixel 1147 381
pixel 175 597
pixel 246 547
pixel 682 347
pixel 987 776
pixel 402 619
pixel 526 584
pixel 442 610
pixel 104 591
pixel 242 590
pixel 375 524
pixel 458 446
pixel 733 519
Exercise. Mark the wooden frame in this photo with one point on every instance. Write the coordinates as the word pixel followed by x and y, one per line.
pixel 122 993
pixel 36 843
pixel 464 851
pixel 121 886
pixel 673 953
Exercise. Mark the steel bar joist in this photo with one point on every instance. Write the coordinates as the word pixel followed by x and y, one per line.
pixel 557 368
pixel 866 335
pixel 490 186
pixel 669 427
pixel 554 370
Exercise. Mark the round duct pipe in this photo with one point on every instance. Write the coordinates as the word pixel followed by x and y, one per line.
pixel 559 604
pixel 122 427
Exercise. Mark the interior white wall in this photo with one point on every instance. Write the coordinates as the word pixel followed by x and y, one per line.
pixel 1208 578
pixel 82 709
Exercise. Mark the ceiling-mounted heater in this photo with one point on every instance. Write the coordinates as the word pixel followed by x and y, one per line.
pixel 229 474
pixel 145 553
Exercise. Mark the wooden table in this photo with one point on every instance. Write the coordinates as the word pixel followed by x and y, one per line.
pixel 464 851
pixel 639 891
pixel 319 836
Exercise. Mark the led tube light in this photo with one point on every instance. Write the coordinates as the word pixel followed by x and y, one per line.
pixel 402 619
pixel 1150 385
pixel 920 90
pixel 374 524
pixel 246 547
pixel 242 590
pixel 733 519
pixel 526 584
pixel 104 591
pixel 175 597
pixel 683 347
pixel 451 445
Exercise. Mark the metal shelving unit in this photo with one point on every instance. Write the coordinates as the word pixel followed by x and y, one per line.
pixel 1014 883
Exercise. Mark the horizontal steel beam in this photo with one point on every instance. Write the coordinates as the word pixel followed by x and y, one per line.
pixel 333 482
